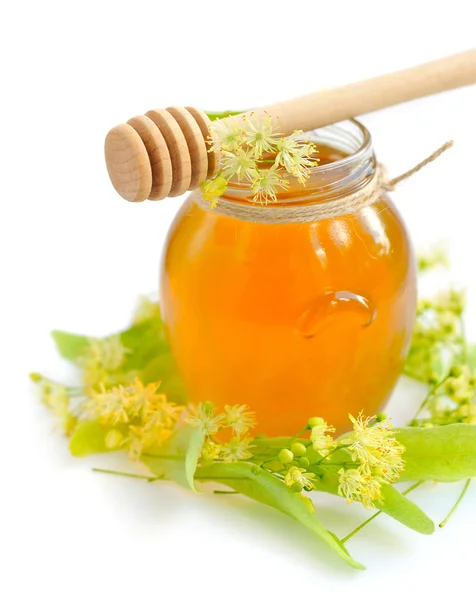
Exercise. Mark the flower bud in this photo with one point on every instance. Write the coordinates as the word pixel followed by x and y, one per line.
pixel 456 371
pixel 315 422
pixel 304 462
pixel 381 416
pixel 285 456
pixel 298 449
pixel 296 487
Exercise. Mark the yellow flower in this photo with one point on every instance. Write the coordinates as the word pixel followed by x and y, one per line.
pixel 239 418
pixel 351 483
pixel 102 357
pixel 322 442
pixel 212 189
pixel 374 445
pixel 371 493
pixel 210 451
pixel 226 134
pixel 266 184
pixel 297 477
pixel 109 352
pixel 237 449
pixel 107 405
pixel 205 417
pixel 240 163
pixel 294 155
pixel 57 399
pixel 259 135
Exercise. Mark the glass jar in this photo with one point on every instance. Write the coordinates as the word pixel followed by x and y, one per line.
pixel 293 319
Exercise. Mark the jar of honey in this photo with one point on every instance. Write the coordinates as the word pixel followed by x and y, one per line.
pixel 295 318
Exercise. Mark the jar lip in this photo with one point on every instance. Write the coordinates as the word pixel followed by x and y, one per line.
pixel 363 149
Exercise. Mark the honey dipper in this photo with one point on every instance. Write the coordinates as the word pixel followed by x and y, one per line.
pixel 164 152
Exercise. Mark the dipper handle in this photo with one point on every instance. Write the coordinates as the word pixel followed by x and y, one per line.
pixel 164 153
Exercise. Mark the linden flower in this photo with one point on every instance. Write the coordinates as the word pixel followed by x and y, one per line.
pixel 237 449
pixel 109 352
pixel 107 405
pixel 56 398
pixel 436 257
pixel 205 418
pixel 239 163
pixel 226 134
pixel 298 476
pixel 321 441
pixel 259 136
pixel 210 451
pixel 212 189
pixel 351 483
pixel 356 485
pixel 266 185
pixel 467 413
pixel 371 493
pixel 294 155
pixel 239 418
pixel 102 356
pixel 375 446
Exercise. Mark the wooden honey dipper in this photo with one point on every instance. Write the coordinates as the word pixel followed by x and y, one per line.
pixel 164 152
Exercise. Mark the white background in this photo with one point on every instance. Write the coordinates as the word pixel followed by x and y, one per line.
pixel 75 256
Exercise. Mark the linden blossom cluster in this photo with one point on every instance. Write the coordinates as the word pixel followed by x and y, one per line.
pixel 246 147
pixel 369 457
pixel 137 417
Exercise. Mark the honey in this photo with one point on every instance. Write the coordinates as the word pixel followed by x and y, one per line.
pixel 293 319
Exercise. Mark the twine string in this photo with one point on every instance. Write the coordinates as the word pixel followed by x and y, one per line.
pixel 390 185
pixel 351 203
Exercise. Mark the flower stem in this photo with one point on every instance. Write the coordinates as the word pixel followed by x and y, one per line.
pixel 430 394
pixel 297 435
pixel 362 525
pixel 122 474
pixel 458 502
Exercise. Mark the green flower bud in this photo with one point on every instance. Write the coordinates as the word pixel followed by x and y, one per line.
pixel 315 422
pixel 298 449
pixel 286 456
pixel 296 487
pixel 456 371
pixel 381 416
pixel 304 462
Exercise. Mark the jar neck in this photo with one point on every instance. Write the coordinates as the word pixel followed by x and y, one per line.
pixel 327 181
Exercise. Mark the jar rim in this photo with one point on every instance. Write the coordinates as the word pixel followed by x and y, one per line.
pixel 364 148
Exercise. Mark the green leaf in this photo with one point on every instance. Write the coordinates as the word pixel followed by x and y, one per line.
pixel 402 509
pixel 145 341
pixel 89 438
pixel 258 484
pixel 213 115
pixel 177 458
pixel 446 453
pixel 70 345
pixel 395 504
pixel 164 369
